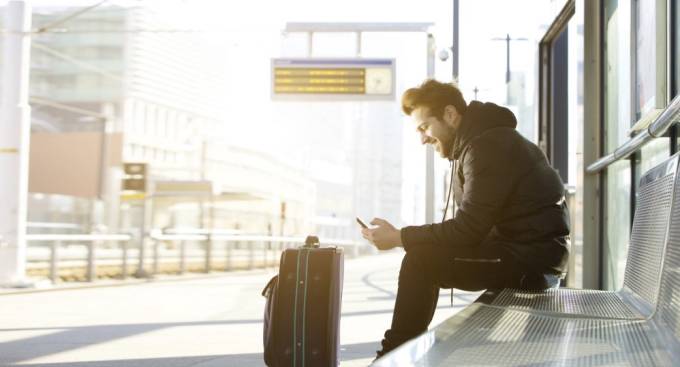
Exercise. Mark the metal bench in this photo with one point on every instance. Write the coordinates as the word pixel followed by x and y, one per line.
pixel 638 325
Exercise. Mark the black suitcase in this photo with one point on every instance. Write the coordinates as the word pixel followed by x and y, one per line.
pixel 302 315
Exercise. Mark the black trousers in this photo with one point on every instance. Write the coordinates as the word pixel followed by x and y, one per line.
pixel 426 269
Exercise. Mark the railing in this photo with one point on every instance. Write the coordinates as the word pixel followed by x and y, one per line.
pixel 172 250
pixel 90 240
pixel 656 129
pixel 268 246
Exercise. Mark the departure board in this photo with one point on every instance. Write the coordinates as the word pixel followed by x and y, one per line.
pixel 333 79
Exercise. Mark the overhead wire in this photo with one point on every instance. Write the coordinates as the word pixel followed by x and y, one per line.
pixel 51 28
pixel 79 63
pixel 65 19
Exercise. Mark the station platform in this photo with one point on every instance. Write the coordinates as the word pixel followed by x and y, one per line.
pixel 208 320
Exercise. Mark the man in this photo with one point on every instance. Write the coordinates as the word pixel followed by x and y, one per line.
pixel 511 227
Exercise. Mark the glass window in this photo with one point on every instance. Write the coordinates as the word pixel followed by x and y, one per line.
pixel 652 154
pixel 618 120
pixel 617 83
pixel 645 57
pixel 676 47
pixel 617 221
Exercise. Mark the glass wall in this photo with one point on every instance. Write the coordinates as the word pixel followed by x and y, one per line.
pixel 616 219
pixel 675 55
pixel 618 120
pixel 676 46
pixel 645 19
pixel 652 154
pixel 630 82
pixel 645 56
pixel 617 73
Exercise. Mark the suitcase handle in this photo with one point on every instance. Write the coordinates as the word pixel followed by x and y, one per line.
pixel 272 283
pixel 312 242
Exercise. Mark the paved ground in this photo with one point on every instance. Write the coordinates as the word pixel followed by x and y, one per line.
pixel 213 321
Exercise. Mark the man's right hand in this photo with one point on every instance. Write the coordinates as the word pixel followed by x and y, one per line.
pixel 385 236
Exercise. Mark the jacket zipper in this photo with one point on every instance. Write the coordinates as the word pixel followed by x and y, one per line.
pixel 476 260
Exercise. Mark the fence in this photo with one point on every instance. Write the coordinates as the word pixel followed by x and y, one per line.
pixel 170 252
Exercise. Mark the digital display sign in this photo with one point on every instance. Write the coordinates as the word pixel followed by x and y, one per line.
pixel 333 79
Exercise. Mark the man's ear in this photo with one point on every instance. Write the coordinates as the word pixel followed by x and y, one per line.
pixel 451 115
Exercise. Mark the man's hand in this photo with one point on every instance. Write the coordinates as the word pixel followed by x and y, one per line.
pixel 385 236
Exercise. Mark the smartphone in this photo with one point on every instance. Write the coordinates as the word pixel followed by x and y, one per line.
pixel 361 223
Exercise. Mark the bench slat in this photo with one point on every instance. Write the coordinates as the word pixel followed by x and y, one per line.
pixel 648 236
pixel 583 302
pixel 668 313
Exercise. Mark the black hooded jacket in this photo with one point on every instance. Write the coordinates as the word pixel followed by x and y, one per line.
pixel 507 195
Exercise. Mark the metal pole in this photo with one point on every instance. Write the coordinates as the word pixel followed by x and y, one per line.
pixel 212 222
pixel 208 253
pixel 156 256
pixel 507 40
pixel 54 261
pixel 251 255
pixel 182 256
pixel 455 52
pixel 507 59
pixel 228 248
pixel 310 44
pixel 15 125
pixel 110 191
pixel 124 266
pixel 270 246
pixel 141 273
pixel 590 194
pixel 429 151
pixel 91 268
pixel 358 44
pixel 103 170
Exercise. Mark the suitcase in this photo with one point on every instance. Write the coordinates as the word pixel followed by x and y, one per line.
pixel 302 313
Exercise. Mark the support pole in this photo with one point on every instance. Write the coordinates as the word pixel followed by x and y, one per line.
pixel 15 128
pixel 54 261
pixel 455 47
pixel 141 271
pixel 429 151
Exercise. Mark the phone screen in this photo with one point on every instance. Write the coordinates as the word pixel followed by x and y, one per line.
pixel 361 223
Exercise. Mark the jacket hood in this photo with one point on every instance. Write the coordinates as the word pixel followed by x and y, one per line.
pixel 478 118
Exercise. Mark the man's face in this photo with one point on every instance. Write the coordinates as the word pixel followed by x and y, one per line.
pixel 440 134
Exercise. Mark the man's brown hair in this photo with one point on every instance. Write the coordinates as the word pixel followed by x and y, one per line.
pixel 435 96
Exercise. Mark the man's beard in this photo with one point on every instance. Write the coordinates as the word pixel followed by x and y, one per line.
pixel 446 146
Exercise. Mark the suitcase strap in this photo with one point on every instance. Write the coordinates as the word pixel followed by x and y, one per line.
pixel 300 287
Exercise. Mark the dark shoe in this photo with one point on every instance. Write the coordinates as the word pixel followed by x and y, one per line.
pixel 378 355
pixel 386 348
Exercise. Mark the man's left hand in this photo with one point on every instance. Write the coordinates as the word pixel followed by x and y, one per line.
pixel 385 236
